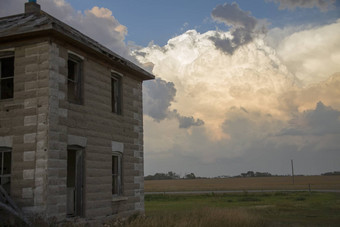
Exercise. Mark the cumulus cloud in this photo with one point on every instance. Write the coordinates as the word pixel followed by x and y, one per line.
pixel 246 100
pixel 323 5
pixel 242 27
pixel 312 54
pixel 210 82
pixel 185 121
pixel 302 99
pixel 321 121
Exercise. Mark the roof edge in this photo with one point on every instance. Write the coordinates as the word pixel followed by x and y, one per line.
pixel 73 34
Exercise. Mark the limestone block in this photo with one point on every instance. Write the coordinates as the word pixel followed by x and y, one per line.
pixel 29 156
pixel 6 141
pixel 31 68
pixel 28 174
pixel 139 206
pixel 138 179
pixel 30 120
pixel 44 47
pixel 77 140
pixel 27 193
pixel 30 103
pixel 31 51
pixel 39 180
pixel 42 118
pixel 61 95
pixel 30 85
pixel 43 57
pixel 30 137
pixel 62 112
pixel 41 164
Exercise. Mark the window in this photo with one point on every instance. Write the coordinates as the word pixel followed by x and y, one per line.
pixel 6 75
pixel 116 90
pixel 75 181
pixel 74 79
pixel 5 168
pixel 117 174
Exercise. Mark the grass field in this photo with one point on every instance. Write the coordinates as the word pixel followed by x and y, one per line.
pixel 242 209
pixel 300 208
pixel 255 183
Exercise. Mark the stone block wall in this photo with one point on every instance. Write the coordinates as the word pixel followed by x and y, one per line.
pixel 24 119
pixel 95 121
pixel 39 121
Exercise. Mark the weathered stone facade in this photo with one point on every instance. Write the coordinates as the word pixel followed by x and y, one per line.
pixel 39 124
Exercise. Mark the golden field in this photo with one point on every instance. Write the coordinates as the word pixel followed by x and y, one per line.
pixel 250 183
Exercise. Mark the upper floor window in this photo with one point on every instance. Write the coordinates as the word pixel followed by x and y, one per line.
pixel 6 75
pixel 116 93
pixel 74 79
pixel 5 168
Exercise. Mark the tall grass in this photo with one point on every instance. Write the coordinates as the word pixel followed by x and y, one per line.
pixel 204 217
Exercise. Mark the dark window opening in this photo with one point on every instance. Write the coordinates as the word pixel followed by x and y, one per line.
pixel 74 80
pixel 116 174
pixel 6 77
pixel 5 168
pixel 116 90
pixel 75 181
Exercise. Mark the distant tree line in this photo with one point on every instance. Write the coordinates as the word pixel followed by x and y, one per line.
pixel 169 176
pixel 255 174
pixel 163 176
pixel 334 173
pixel 173 176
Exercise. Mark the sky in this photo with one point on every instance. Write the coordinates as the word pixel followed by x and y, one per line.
pixel 240 85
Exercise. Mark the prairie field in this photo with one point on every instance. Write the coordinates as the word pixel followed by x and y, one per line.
pixel 247 183
pixel 242 207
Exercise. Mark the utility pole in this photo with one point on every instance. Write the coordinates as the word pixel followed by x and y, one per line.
pixel 292 169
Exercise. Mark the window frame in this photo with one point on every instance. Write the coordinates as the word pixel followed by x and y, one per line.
pixel 117 190
pixel 7 55
pixel 4 150
pixel 116 93
pixel 77 81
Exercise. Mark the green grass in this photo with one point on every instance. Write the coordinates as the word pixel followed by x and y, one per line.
pixel 272 209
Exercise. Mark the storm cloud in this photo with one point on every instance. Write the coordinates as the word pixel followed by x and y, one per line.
pixel 320 121
pixel 158 96
pixel 323 5
pixel 242 26
pixel 249 102
pixel 232 15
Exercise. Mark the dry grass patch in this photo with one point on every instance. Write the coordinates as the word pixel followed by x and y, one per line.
pixel 205 217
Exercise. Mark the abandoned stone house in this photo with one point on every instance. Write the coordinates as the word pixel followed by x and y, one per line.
pixel 71 124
